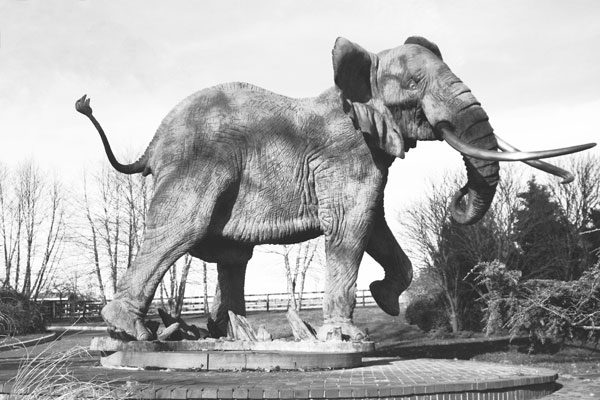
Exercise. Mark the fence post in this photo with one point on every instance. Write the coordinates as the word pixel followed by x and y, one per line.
pixel 267 302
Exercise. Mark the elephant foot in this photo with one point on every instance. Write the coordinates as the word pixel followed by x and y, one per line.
pixel 123 324
pixel 216 330
pixel 350 332
pixel 386 296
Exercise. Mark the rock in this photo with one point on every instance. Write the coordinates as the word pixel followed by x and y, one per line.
pixel 300 329
pixel 263 335
pixel 335 334
pixel 168 331
pixel 241 328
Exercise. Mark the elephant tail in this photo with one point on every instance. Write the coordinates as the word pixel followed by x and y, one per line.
pixel 141 165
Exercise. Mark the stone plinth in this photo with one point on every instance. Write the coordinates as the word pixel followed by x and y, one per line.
pixel 213 354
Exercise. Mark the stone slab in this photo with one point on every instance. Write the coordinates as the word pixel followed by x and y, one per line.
pixel 170 360
pixel 107 344
pixel 230 360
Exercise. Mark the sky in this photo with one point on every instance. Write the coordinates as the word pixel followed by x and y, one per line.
pixel 532 64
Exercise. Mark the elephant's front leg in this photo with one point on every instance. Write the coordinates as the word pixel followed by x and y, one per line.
pixel 345 242
pixel 384 249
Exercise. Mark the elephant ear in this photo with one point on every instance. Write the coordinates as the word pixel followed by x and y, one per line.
pixel 421 41
pixel 375 120
pixel 352 70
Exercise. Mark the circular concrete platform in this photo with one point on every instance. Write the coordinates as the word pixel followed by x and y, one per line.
pixel 387 378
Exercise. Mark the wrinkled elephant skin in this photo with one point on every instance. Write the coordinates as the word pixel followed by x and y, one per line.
pixel 237 166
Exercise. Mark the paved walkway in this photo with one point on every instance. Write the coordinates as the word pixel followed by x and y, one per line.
pixel 376 373
pixel 378 378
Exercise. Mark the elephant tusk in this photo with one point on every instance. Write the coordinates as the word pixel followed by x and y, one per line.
pixel 567 177
pixel 491 155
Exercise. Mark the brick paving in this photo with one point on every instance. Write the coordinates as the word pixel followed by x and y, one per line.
pixel 377 378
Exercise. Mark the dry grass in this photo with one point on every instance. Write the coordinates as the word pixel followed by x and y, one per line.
pixel 50 375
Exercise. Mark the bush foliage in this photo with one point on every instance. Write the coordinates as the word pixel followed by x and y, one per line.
pixel 427 312
pixel 19 315
pixel 540 308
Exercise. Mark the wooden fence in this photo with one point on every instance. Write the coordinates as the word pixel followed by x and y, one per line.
pixel 58 309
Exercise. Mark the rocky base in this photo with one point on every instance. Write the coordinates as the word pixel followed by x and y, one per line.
pixel 185 347
pixel 106 345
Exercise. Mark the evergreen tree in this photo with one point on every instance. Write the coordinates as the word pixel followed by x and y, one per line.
pixel 548 244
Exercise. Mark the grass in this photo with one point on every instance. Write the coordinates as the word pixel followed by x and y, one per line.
pixel 381 327
pixel 46 374
pixel 569 359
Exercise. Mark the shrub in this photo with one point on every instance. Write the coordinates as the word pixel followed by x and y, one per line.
pixel 498 289
pixel 19 315
pixel 427 312
pixel 541 308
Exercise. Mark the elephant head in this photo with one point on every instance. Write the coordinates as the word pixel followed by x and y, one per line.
pixel 408 93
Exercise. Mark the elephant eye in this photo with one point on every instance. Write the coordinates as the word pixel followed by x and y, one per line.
pixel 412 85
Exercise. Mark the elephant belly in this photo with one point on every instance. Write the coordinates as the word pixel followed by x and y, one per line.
pixel 264 221
pixel 273 207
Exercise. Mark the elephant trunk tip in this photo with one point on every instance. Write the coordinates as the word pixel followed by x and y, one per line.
pixel 475 207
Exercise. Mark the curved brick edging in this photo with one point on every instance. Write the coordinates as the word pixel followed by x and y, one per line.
pixel 421 379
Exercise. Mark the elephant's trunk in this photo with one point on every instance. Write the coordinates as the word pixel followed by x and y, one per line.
pixel 482 178
pixel 469 122
pixel 479 197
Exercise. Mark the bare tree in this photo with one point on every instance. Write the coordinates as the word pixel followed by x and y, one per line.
pixel 30 189
pixel 11 224
pixel 580 202
pixel 113 209
pixel 54 239
pixel 581 196
pixel 445 251
pixel 173 291
pixel 136 191
pixel 205 288
pixel 297 260
pixel 109 185
pixel 425 222
pixel 90 241
pixel 32 222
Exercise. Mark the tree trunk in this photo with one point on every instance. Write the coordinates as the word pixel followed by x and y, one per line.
pixel 453 315
pixel 291 283
pixel 97 265
pixel 182 285
pixel 53 239
pixel 205 288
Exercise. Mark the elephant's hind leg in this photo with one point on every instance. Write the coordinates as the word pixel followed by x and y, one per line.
pixel 384 249
pixel 174 224
pixel 232 259
pixel 126 313
pixel 228 297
